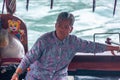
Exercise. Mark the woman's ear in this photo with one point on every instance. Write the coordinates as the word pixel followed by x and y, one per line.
pixel 55 25
pixel 71 28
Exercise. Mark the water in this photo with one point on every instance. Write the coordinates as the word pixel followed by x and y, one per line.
pixel 41 19
pixel 95 78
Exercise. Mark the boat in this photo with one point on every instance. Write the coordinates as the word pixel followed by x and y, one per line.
pixel 95 65
pixel 12 30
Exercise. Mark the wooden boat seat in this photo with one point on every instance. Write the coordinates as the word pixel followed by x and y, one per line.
pixel 8 21
pixel 16 27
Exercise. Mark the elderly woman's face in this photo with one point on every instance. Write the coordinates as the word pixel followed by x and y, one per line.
pixel 63 29
pixel 4 41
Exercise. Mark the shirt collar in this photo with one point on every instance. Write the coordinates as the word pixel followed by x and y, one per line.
pixel 59 41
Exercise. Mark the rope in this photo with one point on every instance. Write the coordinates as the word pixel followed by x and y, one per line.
pixel 27 5
pixel 11 6
pixel 0 23
pixel 3 6
pixel 51 6
pixel 94 3
pixel 114 7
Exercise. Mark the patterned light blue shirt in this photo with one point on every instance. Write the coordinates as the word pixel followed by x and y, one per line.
pixel 49 58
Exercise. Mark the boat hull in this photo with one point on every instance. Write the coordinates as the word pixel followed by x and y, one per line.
pixel 95 65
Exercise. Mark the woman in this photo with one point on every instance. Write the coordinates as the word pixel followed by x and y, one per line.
pixel 51 54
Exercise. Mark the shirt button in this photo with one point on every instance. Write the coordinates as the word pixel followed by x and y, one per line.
pixel 50 76
pixel 53 71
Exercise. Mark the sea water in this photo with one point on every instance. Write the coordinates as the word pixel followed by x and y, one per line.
pixel 40 19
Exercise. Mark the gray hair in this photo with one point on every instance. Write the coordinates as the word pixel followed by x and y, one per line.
pixel 66 16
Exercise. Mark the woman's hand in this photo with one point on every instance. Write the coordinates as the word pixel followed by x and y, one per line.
pixel 15 76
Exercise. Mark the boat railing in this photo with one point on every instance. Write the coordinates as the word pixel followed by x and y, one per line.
pixel 108 39
pixel 96 65
pixel 95 34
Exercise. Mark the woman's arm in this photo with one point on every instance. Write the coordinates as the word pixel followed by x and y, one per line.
pixel 113 48
pixel 16 74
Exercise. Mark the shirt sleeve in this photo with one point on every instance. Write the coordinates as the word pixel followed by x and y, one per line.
pixel 32 55
pixel 89 46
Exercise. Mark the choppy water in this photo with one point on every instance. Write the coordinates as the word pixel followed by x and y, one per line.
pixel 41 19
pixel 95 78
